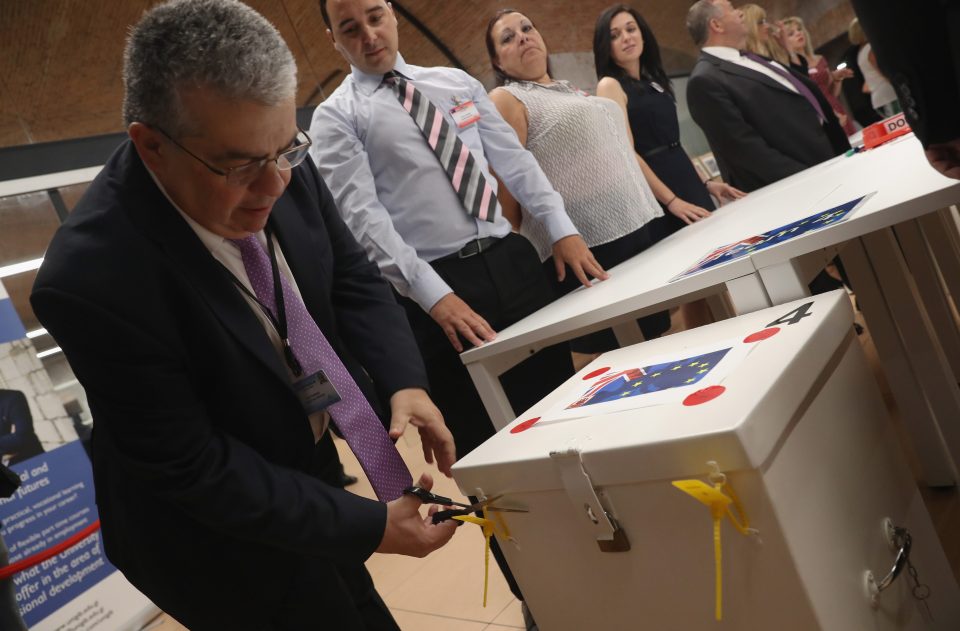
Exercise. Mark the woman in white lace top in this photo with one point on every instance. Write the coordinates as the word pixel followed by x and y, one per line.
pixel 582 144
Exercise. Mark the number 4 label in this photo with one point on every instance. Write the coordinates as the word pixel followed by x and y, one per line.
pixel 794 316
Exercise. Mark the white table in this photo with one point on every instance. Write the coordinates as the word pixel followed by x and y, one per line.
pixel 906 189
pixel 895 273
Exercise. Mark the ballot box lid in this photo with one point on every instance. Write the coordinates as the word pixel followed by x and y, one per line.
pixel 727 392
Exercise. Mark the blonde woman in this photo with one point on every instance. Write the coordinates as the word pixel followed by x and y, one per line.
pixel 797 41
pixel 762 35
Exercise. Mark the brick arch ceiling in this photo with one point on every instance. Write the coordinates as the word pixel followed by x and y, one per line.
pixel 60 60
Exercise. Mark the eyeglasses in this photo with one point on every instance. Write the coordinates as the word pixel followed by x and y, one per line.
pixel 246 173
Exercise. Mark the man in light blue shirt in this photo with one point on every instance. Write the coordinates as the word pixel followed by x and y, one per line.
pixel 460 277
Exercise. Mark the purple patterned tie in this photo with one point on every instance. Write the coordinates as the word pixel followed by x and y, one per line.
pixel 796 83
pixel 353 415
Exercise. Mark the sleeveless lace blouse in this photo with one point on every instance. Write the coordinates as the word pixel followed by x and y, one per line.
pixel 581 144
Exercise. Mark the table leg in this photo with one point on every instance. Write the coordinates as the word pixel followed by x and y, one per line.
pixel 784 282
pixel 720 307
pixel 939 231
pixel 924 270
pixel 628 333
pixel 929 401
pixel 491 393
pixel 747 294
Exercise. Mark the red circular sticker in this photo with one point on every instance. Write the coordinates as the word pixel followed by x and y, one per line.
pixel 596 373
pixel 761 335
pixel 524 426
pixel 703 396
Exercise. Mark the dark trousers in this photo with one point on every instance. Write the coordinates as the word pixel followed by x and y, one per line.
pixel 503 284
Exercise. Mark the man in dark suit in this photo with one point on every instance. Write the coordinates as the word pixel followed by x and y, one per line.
pixel 917 45
pixel 210 454
pixel 764 122
pixel 18 441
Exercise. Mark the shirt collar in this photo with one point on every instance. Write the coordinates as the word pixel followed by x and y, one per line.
pixel 213 241
pixel 723 52
pixel 368 83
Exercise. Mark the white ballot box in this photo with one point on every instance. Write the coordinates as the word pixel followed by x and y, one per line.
pixel 782 401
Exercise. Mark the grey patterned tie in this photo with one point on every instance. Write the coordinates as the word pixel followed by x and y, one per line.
pixel 465 174
pixel 353 415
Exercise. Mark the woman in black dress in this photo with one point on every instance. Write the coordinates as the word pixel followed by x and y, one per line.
pixel 631 73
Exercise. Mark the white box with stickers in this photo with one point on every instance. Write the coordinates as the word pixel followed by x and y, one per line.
pixel 766 430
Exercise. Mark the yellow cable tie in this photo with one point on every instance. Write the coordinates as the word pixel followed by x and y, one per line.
pixel 719 504
pixel 487 526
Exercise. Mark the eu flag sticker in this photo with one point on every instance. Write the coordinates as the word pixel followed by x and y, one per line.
pixel 776 236
pixel 649 379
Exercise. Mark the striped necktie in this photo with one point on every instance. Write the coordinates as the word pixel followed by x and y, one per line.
pixel 461 167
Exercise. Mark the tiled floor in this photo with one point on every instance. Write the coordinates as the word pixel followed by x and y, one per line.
pixel 444 591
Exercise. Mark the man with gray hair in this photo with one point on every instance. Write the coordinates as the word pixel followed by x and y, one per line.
pixel 763 121
pixel 220 315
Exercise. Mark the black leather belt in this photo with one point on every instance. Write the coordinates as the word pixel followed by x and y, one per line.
pixel 472 248
pixel 660 149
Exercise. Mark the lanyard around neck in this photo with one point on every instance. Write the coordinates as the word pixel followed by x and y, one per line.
pixel 278 320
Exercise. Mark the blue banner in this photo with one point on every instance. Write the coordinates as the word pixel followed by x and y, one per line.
pixel 54 502
pixel 10 326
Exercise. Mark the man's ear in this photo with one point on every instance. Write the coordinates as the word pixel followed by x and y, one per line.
pixel 149 145
pixel 715 25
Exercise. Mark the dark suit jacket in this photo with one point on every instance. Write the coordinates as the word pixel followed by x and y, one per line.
pixel 759 130
pixel 17 437
pixel 917 45
pixel 204 461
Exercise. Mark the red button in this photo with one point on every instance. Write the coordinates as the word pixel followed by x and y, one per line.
pixel 761 335
pixel 524 426
pixel 596 373
pixel 702 396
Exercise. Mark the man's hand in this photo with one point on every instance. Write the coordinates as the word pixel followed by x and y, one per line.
pixel 945 158
pixel 455 316
pixel 686 211
pixel 413 405
pixel 407 532
pixel 573 251
pixel 723 191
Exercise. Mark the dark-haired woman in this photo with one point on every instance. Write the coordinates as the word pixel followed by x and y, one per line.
pixel 581 144
pixel 631 74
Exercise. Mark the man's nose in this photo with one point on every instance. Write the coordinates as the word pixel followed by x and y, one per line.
pixel 368 34
pixel 270 181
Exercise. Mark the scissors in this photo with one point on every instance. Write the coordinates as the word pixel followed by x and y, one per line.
pixel 427 497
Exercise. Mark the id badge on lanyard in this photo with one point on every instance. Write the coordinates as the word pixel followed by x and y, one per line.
pixel 316 392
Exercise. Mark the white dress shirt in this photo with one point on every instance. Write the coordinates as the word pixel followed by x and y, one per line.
pixel 390 189
pixel 733 55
